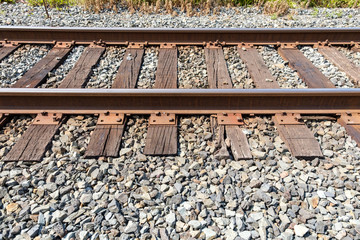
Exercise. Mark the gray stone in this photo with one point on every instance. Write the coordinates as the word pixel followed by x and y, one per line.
pixel 178 186
pixel 34 231
pixel 171 219
pixel 105 237
pixel 195 224
pixel 300 230
pixel 59 215
pixel 256 216
pixel 131 227
pixel 340 235
pixel 41 219
pixel 83 235
pixel 114 206
pixel 321 194
pixel 209 233
pixel 265 187
pixel 123 197
pixel 177 199
pixel 230 234
pixel 246 235
pixel 255 184
pixel 58 229
pixel 338 226
pixel 86 198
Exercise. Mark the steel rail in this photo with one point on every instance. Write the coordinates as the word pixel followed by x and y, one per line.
pixel 231 36
pixel 179 101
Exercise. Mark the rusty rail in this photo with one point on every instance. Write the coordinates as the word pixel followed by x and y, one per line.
pixel 228 105
pixel 180 36
pixel 179 101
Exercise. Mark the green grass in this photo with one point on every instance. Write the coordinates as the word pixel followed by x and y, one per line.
pixel 52 3
pixel 334 3
pixel 8 1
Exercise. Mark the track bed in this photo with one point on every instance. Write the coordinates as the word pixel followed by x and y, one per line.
pixel 118 133
pixel 121 57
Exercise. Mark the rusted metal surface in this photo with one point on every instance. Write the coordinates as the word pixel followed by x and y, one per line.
pixel 108 118
pixel 45 118
pixel 288 118
pixel 181 36
pixel 113 106
pixel 180 101
pixel 162 119
pixel 230 119
pixel 351 118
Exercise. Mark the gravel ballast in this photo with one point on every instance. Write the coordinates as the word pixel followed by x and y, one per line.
pixel 196 194
pixel 338 78
pixel 148 69
pixel 57 75
pixel 23 58
pixel 192 67
pixel 284 75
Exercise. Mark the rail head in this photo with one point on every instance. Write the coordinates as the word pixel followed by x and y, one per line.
pixel 230 36
pixel 179 92
pixel 179 101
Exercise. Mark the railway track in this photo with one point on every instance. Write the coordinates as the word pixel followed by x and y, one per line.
pixel 228 107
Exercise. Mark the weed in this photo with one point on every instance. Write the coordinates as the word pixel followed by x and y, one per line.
pixel 7 1
pixel 290 16
pixel 189 10
pixel 315 12
pixel 52 3
pixel 339 14
pixel 157 6
pixel 355 4
pixel 277 7
pixel 271 7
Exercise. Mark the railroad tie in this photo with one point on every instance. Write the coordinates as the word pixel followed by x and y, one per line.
pixel 305 69
pixel 3 120
pixel 351 122
pixel 219 77
pixel 342 62
pixel 7 48
pixel 163 107
pixel 162 136
pixel 315 79
pixel 38 73
pixel 299 139
pixel 129 69
pixel 106 139
pixel 79 75
pixel 297 135
pixel 258 71
pixel 37 138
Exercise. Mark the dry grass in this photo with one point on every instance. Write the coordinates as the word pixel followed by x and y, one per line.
pixel 195 7
pixel 277 7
